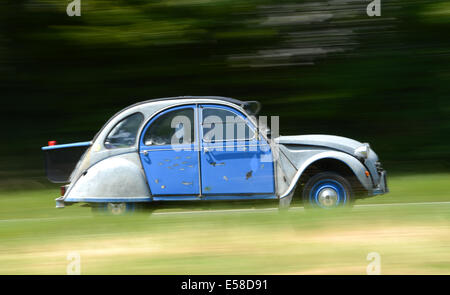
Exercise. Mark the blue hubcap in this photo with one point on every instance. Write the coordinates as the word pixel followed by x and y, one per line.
pixel 328 193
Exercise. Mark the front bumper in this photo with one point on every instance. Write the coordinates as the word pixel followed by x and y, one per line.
pixel 382 187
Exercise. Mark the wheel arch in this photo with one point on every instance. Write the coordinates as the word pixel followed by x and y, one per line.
pixel 333 165
pixel 333 161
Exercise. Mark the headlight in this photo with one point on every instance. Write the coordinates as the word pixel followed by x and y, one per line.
pixel 362 151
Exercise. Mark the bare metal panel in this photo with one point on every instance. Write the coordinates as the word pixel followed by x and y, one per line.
pixel 115 177
pixel 285 171
pixel 303 157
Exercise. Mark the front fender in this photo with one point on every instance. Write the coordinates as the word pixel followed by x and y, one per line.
pixel 302 159
pixel 116 179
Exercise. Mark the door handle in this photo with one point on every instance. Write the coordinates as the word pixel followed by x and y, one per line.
pixel 145 153
pixel 210 158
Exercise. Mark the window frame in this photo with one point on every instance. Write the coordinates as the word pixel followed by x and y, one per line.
pixel 232 110
pixel 163 112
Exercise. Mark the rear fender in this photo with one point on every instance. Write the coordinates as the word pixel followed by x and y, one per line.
pixel 116 179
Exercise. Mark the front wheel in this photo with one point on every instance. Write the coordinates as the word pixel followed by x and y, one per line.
pixel 327 190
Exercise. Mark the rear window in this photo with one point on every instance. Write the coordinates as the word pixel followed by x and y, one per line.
pixel 125 132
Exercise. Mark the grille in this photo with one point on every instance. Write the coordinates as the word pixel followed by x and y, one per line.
pixel 379 167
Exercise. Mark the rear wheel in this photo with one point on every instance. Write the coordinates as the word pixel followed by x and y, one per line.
pixel 116 209
pixel 327 190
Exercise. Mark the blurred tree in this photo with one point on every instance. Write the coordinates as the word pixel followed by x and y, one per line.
pixel 322 66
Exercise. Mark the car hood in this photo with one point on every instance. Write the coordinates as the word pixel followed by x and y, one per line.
pixel 340 143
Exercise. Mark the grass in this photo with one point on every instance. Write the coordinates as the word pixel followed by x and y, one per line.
pixel 35 238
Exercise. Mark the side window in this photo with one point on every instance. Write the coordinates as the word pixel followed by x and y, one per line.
pixel 175 127
pixel 125 132
pixel 224 125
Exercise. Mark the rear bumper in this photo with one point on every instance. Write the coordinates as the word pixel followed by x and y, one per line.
pixel 382 187
pixel 60 202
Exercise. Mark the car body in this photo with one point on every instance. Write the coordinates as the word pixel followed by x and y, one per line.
pixel 131 160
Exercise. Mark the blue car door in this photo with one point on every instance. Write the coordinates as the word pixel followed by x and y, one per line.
pixel 234 159
pixel 168 150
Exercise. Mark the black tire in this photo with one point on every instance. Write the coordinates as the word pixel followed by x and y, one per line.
pixel 327 190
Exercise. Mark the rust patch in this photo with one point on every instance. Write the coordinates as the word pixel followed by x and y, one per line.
pixel 248 175
pixel 225 178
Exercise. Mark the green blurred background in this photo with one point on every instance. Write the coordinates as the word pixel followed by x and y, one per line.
pixel 322 66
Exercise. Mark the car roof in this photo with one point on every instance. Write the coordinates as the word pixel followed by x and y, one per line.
pixel 244 104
